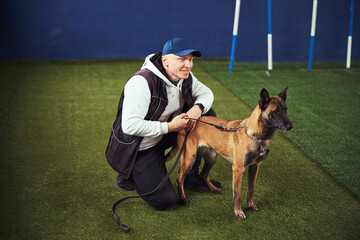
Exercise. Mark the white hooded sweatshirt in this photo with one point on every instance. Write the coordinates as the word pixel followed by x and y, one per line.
pixel 137 101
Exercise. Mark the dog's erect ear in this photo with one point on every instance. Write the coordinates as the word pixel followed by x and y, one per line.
pixel 264 99
pixel 283 94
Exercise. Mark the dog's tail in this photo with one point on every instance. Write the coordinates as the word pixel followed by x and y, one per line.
pixel 172 153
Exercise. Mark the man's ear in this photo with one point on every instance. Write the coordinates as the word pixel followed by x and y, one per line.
pixel 264 99
pixel 164 61
pixel 283 94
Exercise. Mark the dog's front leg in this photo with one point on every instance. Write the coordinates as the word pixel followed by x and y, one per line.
pixel 187 161
pixel 252 174
pixel 238 170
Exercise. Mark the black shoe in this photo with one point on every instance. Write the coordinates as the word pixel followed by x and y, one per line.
pixel 194 181
pixel 124 184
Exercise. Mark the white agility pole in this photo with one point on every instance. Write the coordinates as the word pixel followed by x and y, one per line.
pixel 349 43
pixel 269 38
pixel 235 32
pixel 312 34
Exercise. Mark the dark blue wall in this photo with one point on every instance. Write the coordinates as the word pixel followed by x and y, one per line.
pixel 94 29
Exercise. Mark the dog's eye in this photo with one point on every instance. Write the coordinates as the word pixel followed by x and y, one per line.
pixel 274 113
pixel 278 111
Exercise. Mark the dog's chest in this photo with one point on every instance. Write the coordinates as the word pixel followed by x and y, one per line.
pixel 257 153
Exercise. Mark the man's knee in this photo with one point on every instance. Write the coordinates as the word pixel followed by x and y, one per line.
pixel 162 201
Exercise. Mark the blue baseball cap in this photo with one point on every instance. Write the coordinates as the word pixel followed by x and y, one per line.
pixel 179 47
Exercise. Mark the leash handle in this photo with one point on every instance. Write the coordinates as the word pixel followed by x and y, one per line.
pixel 125 228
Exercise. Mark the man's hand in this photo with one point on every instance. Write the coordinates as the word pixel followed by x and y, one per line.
pixel 178 123
pixel 194 112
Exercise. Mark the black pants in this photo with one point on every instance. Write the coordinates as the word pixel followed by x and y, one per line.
pixel 149 170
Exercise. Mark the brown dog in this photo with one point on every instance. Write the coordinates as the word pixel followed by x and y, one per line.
pixel 246 147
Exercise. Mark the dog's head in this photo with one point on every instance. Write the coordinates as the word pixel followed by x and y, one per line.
pixel 274 110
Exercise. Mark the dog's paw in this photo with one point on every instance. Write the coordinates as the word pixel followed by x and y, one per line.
pixel 240 214
pixel 252 207
pixel 217 191
pixel 183 202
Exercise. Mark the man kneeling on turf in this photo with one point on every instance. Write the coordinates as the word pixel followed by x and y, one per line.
pixel 151 111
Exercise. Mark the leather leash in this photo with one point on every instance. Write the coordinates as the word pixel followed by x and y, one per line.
pixel 232 129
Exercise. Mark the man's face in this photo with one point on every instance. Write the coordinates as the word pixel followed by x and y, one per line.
pixel 178 67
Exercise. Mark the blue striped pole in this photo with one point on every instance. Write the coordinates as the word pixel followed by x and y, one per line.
pixel 348 56
pixel 269 38
pixel 235 32
pixel 312 34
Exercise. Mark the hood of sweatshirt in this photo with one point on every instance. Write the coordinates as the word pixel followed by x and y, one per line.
pixel 153 62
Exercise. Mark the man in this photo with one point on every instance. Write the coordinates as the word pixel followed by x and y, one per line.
pixel 153 107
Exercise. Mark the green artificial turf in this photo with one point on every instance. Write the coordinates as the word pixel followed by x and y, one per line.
pixel 55 122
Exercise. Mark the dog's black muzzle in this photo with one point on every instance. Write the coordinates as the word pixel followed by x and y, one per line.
pixel 288 127
pixel 283 125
